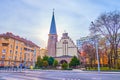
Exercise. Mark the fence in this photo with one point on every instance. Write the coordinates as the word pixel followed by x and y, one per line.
pixel 11 69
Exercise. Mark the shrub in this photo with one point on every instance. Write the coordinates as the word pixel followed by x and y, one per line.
pixel 45 64
pixel 64 66
pixel 55 63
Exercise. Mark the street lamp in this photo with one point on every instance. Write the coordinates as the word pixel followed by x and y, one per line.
pixel 34 54
pixel 96 46
pixel 26 54
pixel 97 55
pixel 9 61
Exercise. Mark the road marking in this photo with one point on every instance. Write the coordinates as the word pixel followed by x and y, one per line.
pixel 96 78
pixel 70 79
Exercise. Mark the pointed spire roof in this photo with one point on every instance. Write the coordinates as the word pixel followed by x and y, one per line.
pixel 53 25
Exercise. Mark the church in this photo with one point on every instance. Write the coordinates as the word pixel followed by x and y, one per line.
pixel 62 50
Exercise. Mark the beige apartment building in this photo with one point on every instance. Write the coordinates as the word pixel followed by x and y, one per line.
pixel 15 50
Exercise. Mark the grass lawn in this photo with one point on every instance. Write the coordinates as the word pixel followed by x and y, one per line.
pixel 103 69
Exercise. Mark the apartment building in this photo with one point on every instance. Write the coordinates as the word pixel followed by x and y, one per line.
pixel 15 50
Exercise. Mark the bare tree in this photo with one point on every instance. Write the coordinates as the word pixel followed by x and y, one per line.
pixel 103 51
pixel 108 25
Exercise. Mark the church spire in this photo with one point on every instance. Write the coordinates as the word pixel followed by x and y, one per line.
pixel 53 25
pixel 52 38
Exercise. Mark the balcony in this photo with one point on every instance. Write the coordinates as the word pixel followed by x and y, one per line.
pixel 5 44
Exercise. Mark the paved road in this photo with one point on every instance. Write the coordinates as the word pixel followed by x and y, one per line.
pixel 58 75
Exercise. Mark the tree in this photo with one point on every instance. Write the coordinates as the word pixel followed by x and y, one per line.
pixel 50 61
pixel 90 53
pixel 39 62
pixel 64 66
pixel 74 62
pixel 45 64
pixel 45 58
pixel 103 51
pixel 55 63
pixel 108 25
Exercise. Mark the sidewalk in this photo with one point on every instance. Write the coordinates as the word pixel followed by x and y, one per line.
pixel 105 72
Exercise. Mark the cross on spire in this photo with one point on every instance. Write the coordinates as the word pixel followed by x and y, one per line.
pixel 53 10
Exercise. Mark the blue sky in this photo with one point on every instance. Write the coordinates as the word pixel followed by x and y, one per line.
pixel 31 18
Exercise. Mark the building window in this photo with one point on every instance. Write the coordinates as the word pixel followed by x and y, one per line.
pixel 16 47
pixel 21 49
pixel 24 59
pixel 28 59
pixel 14 63
pixel 9 57
pixel 2 62
pixel 20 52
pixel 8 63
pixel 65 42
pixel 10 51
pixel 3 51
pixel 16 52
pixel 11 46
pixel 15 57
pixel 20 58
pixel 3 56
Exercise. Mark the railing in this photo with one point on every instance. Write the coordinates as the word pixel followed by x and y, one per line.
pixel 11 69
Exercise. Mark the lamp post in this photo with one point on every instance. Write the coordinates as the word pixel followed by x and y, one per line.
pixel 26 54
pixel 9 61
pixel 97 55
pixel 96 46
pixel 34 54
pixel 25 60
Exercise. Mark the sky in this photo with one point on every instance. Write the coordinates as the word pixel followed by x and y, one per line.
pixel 31 19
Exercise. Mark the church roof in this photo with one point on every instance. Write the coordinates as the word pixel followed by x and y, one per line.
pixel 53 25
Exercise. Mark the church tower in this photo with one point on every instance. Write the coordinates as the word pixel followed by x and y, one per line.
pixel 52 38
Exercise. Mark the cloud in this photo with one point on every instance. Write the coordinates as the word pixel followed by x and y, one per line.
pixel 32 18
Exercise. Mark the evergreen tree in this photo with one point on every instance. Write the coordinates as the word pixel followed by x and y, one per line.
pixel 74 62
pixel 55 63
pixel 39 62
pixel 50 61
pixel 45 58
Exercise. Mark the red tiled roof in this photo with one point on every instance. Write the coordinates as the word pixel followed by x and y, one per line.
pixel 10 35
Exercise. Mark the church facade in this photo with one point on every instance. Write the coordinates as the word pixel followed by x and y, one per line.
pixel 66 47
pixel 62 50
